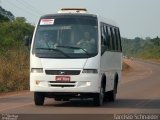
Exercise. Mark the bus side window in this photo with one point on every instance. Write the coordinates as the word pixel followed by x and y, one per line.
pixel 103 39
pixel 102 35
pixel 107 38
pixel 115 39
pixel 111 39
pixel 119 40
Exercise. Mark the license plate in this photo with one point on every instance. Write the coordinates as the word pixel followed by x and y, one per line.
pixel 63 78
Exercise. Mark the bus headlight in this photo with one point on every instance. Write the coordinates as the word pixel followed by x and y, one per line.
pixel 37 70
pixel 88 83
pixel 90 71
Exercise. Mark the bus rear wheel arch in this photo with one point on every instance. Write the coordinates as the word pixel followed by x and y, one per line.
pixel 111 95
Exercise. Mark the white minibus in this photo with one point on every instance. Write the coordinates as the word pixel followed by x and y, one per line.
pixel 75 54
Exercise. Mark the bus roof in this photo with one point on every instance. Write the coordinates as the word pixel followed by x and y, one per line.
pixel 80 12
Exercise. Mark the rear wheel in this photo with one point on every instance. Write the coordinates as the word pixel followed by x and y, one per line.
pixel 39 98
pixel 112 94
pixel 57 99
pixel 98 99
pixel 61 99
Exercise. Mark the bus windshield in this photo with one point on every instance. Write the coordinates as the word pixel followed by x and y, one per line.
pixel 66 36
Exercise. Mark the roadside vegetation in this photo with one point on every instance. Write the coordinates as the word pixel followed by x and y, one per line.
pixel 14 55
pixel 147 49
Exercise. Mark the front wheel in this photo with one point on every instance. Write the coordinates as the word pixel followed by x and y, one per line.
pixel 98 99
pixel 39 98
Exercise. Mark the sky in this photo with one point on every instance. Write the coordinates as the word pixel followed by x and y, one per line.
pixel 135 18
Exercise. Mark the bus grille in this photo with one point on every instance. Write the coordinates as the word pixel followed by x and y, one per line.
pixel 62 72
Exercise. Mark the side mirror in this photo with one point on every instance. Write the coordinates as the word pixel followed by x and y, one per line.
pixel 28 40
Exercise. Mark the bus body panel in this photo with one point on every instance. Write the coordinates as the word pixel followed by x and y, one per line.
pixel 83 82
pixel 110 66
pixel 63 64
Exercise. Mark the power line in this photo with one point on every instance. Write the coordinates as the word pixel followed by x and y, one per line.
pixel 26 5
pixel 33 7
pixel 22 9
pixel 26 8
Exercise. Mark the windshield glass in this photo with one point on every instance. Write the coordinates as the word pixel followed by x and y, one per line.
pixel 68 36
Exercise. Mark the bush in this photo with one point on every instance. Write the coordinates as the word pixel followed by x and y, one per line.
pixel 14 71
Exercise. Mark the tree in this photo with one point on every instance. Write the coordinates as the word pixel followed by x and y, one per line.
pixel 6 14
pixel 156 41
pixel 3 18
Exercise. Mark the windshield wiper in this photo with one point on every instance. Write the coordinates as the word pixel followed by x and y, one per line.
pixel 66 55
pixel 73 47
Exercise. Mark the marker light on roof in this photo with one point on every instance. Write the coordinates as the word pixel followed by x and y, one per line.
pixel 73 10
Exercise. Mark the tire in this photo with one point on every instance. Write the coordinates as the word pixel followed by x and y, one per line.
pixel 57 99
pixel 61 99
pixel 112 94
pixel 39 98
pixel 105 99
pixel 98 99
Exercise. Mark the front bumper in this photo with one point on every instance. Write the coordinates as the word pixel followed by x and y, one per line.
pixel 83 83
